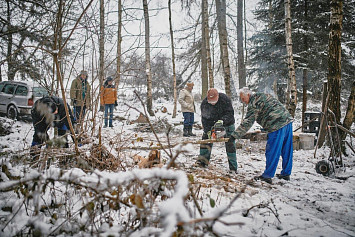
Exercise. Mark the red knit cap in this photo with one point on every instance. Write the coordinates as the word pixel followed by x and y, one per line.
pixel 212 96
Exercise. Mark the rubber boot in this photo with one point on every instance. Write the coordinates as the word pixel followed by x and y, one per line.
pixel 205 154
pixel 186 131
pixel 190 131
pixel 232 161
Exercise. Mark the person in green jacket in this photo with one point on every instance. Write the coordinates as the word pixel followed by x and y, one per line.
pixel 80 95
pixel 277 121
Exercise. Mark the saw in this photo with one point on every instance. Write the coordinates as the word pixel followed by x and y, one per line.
pixel 217 131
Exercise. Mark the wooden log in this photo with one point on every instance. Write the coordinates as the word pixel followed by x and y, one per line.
pixel 158 147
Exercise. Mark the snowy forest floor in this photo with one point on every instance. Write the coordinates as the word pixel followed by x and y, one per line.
pixel 308 205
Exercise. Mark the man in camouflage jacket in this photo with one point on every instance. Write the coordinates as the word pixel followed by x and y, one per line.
pixel 277 121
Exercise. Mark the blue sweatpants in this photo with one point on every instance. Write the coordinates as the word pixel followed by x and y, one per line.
pixel 279 143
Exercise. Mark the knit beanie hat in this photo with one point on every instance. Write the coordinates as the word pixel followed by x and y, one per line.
pixel 83 72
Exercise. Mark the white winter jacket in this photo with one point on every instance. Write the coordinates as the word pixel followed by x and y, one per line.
pixel 186 101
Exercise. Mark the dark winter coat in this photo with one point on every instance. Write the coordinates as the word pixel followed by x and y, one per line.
pixel 222 110
pixel 43 117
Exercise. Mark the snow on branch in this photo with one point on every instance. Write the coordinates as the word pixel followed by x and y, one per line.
pixel 101 194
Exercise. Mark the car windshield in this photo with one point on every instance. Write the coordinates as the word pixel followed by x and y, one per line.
pixel 39 92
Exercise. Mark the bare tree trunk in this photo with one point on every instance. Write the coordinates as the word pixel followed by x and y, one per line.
pixel 102 43
pixel 291 66
pixel 204 72
pixel 207 43
pixel 304 95
pixel 240 49
pixel 270 22
pixel 223 42
pixel 245 33
pixel 119 44
pixel 322 127
pixel 305 79
pixel 173 59
pixel 334 63
pixel 334 58
pixel 208 47
pixel 10 69
pixel 350 112
pixel 147 60
pixel 57 45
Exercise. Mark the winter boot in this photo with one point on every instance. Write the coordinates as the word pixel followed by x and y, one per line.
pixel 186 131
pixel 190 131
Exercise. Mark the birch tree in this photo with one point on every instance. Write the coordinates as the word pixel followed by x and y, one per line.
pixel 207 43
pixel 350 112
pixel 57 44
pixel 173 59
pixel 240 48
pixel 102 45
pixel 147 60
pixel 305 71
pixel 292 91
pixel 119 44
pixel 223 43
pixel 203 53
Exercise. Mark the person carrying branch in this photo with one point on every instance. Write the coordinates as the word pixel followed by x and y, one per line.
pixel 49 112
pixel 187 103
pixel 277 121
pixel 80 95
pixel 217 107
pixel 108 98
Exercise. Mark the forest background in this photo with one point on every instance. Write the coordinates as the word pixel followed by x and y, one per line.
pixel 222 44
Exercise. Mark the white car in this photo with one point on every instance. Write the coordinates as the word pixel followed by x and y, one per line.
pixel 18 97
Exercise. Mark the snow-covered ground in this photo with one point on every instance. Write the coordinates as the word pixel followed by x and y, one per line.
pixel 308 205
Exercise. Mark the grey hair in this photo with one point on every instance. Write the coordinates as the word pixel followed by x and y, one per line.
pixel 245 91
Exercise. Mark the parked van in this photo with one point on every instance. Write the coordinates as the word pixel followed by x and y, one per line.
pixel 18 97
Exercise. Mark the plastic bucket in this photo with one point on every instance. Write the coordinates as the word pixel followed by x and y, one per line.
pixel 307 141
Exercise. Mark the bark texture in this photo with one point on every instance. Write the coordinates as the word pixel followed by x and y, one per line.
pixel 147 60
pixel 334 57
pixel 223 43
pixel 173 58
pixel 240 48
pixel 292 99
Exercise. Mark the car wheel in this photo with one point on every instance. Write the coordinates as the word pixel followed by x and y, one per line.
pixel 324 167
pixel 12 112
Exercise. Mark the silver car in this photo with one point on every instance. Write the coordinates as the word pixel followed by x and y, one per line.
pixel 18 97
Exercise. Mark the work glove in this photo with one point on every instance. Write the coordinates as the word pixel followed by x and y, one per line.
pixel 116 103
pixel 231 139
